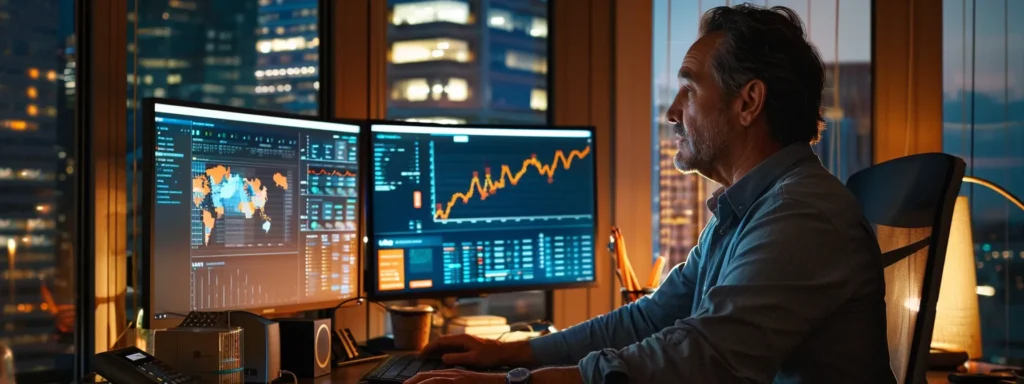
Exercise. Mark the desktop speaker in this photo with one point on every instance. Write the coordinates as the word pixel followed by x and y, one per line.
pixel 306 346
pixel 261 342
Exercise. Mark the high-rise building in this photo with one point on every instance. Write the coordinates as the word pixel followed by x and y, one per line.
pixel 480 61
pixel 679 198
pixel 203 51
pixel 288 51
pixel 31 92
pixel 198 51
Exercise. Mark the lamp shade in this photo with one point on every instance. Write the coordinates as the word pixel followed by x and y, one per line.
pixel 957 320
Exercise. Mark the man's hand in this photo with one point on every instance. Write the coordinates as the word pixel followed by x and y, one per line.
pixel 467 350
pixel 456 376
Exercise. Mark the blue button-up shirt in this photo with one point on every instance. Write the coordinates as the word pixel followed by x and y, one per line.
pixel 785 286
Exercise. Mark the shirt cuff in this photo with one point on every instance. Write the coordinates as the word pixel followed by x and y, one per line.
pixel 603 366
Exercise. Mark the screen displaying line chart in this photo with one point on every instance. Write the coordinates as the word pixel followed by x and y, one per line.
pixel 463 208
pixel 255 212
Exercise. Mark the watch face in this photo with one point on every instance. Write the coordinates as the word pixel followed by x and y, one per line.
pixel 518 375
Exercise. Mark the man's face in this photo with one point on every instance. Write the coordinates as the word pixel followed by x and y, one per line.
pixel 699 115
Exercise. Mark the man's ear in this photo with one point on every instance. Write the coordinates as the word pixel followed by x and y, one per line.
pixel 751 99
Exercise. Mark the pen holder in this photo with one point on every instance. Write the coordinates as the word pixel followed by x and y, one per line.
pixel 629 296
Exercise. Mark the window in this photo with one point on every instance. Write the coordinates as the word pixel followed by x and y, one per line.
pixel 526 62
pixel 983 122
pixel 411 90
pixel 261 54
pixel 539 99
pixel 678 201
pixel 441 49
pixel 508 21
pixel 470 61
pixel 37 179
pixel 436 120
pixel 424 12
pixel 452 89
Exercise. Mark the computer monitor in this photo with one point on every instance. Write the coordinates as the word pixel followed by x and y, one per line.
pixel 465 210
pixel 249 210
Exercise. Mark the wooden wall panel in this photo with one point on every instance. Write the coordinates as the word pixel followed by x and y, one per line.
pixel 359 47
pixel 108 131
pixel 633 132
pixel 581 94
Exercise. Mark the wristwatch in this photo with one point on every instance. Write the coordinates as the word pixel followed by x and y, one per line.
pixel 518 376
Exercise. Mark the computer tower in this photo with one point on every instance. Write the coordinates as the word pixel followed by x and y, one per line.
pixel 306 346
pixel 261 342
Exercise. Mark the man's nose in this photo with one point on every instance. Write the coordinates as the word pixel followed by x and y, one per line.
pixel 672 115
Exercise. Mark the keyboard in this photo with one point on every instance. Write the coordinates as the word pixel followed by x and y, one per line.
pixel 397 369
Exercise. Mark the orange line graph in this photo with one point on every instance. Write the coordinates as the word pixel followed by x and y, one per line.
pixel 490 186
pixel 331 173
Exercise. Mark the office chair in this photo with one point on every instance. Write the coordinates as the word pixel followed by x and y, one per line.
pixel 909 201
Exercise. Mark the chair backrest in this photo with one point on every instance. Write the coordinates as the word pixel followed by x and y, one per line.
pixel 910 201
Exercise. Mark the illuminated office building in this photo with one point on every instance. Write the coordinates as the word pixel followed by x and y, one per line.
pixel 482 61
pixel 31 93
pixel 680 205
pixel 288 46
pixel 194 50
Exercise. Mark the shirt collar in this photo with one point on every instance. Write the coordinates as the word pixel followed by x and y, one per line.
pixel 738 198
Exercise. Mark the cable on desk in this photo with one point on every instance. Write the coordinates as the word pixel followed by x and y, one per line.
pixel 359 301
pixel 281 373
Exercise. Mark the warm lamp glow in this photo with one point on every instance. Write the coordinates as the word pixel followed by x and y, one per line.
pixel 957 320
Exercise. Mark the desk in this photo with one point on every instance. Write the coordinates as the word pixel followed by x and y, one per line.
pixel 352 373
pixel 345 375
pixel 937 377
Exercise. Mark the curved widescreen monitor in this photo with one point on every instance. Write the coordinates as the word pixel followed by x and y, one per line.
pixel 459 210
pixel 249 211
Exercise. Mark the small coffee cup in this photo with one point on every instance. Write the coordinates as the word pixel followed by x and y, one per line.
pixel 411 326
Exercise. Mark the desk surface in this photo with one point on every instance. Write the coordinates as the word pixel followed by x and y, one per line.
pixel 346 374
pixel 352 374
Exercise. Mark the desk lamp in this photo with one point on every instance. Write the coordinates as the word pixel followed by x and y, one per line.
pixel 957 334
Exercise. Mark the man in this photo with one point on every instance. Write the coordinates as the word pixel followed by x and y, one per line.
pixel 786 282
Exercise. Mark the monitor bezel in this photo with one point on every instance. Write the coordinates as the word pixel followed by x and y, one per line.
pixel 147 204
pixel 370 246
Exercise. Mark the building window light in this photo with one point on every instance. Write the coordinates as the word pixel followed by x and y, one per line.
pixel 419 89
pixel 539 100
pixel 411 90
pixel 457 89
pixel 415 51
pixel 31 92
pixel 539 27
pixel 526 62
pixel 436 120
pixel 500 19
pixel 424 12
pixel 291 71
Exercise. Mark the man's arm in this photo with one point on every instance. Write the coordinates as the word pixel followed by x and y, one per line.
pixel 790 270
pixel 625 325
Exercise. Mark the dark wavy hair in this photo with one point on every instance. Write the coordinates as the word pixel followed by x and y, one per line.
pixel 769 44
